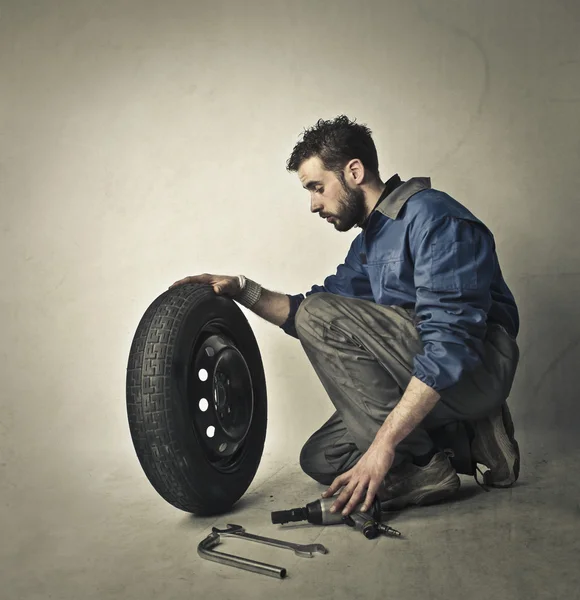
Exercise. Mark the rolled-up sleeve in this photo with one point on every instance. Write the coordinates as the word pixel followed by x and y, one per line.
pixel 350 280
pixel 454 266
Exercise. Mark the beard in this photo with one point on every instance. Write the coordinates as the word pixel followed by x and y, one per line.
pixel 352 209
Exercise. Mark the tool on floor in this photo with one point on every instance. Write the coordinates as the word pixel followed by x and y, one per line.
pixel 368 526
pixel 206 550
pixel 318 513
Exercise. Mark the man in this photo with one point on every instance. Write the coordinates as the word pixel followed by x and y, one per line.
pixel 413 337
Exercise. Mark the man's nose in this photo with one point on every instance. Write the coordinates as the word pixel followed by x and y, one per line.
pixel 314 207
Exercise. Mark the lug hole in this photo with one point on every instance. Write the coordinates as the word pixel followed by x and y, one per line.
pixel 203 405
pixel 203 375
pixel 210 431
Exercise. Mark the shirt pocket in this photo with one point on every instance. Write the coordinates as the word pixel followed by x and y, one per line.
pixel 453 266
pixel 388 276
pixel 392 274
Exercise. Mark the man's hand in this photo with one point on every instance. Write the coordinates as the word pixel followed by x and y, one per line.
pixel 375 463
pixel 367 475
pixel 221 284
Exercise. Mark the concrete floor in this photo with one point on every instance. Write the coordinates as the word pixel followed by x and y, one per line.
pixel 107 535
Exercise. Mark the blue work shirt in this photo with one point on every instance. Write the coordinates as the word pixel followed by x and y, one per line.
pixel 421 249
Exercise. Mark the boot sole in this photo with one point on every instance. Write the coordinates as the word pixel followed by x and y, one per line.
pixel 430 494
pixel 510 453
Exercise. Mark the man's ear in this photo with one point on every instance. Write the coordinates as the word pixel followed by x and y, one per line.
pixel 354 171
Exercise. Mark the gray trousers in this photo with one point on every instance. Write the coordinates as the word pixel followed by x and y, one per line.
pixel 363 354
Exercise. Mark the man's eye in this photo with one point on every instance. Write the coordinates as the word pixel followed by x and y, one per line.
pixel 320 190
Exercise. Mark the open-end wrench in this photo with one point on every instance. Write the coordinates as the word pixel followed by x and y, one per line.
pixel 304 550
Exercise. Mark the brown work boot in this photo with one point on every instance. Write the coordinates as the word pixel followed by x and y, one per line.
pixel 409 483
pixel 495 446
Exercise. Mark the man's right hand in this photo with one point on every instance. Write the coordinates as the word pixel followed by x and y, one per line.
pixel 221 284
pixel 272 306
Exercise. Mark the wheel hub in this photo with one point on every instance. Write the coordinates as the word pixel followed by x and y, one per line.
pixel 222 396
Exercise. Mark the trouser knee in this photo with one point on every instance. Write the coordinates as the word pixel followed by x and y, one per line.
pixel 313 463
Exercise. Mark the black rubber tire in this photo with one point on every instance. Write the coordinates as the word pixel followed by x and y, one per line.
pixel 159 400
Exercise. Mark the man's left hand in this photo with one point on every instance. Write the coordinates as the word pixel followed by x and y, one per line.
pixel 367 475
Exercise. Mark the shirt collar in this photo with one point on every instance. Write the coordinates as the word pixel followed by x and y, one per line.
pixel 391 203
pixel 390 186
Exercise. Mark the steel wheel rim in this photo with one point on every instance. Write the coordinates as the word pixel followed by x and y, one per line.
pixel 221 397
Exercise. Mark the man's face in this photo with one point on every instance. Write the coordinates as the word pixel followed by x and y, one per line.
pixel 332 198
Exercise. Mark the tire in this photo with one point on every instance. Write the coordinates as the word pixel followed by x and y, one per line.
pixel 185 330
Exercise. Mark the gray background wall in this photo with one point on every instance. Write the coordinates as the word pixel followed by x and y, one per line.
pixel 141 142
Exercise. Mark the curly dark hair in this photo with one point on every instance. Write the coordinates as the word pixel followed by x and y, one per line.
pixel 336 142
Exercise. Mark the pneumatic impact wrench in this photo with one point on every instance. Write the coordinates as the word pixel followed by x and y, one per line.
pixel 318 513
